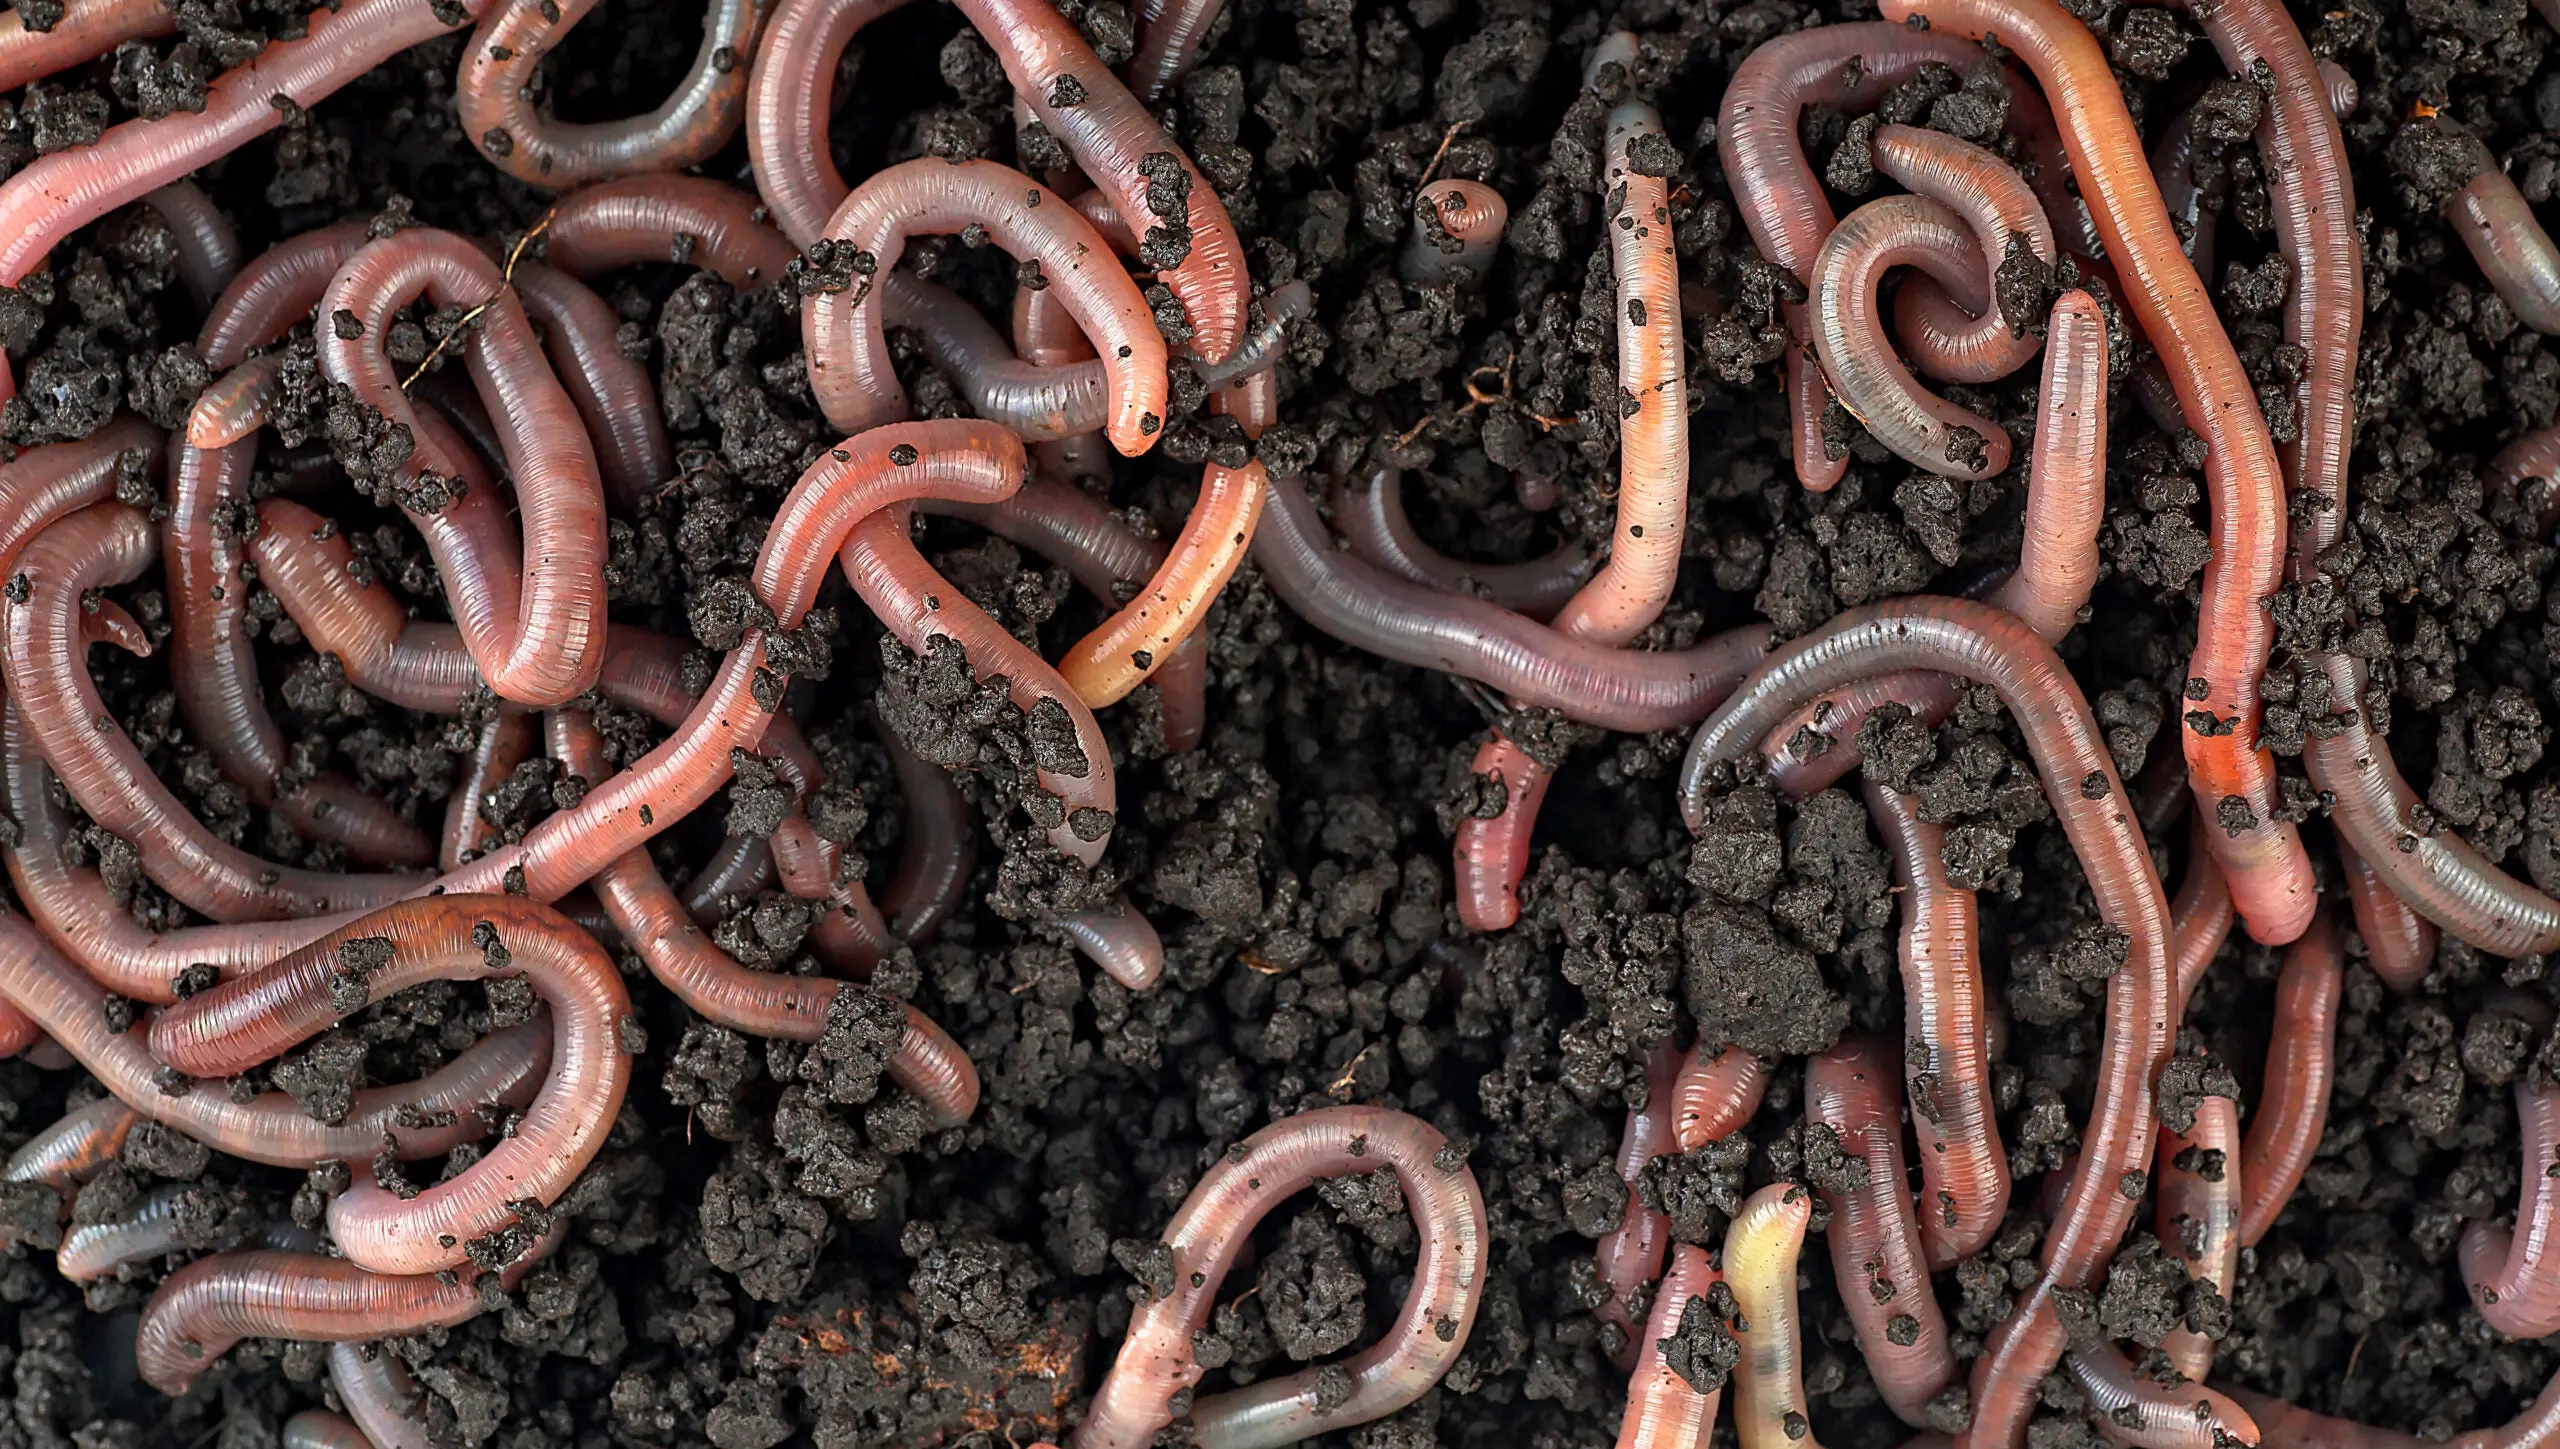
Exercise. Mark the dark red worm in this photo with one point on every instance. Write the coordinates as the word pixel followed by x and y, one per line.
pixel 1876 1249
pixel 1631 1256
pixel 2301 1067
pixel 2399 943
pixel 2198 1217
pixel 1663 1410
pixel 498 81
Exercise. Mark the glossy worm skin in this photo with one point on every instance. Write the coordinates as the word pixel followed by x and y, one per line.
pixel 2509 1272
pixel 1944 338
pixel 2200 920
pixel 937 849
pixel 1372 519
pixel 1761 1246
pixel 1457 229
pixel 2193 210
pixel 2262 858
pixel 1663 1411
pixel 506 741
pixel 74 1149
pixel 955 461
pixel 57 195
pixel 1631 1256
pixel 1370 609
pixel 87 30
pixel 1214 1224
pixel 453 938
pixel 1989 646
pixel 308 563
pixel 1859 360
pixel 687 220
pixel 2399 943
pixel 790 95
pixel 380 1395
pixel 1042 403
pixel 1875 1245
pixel 320 1429
pixel 2129 1407
pixel 612 391
pixel 103 1250
pixel 2198 1217
pixel 496 87
pixel 1126 648
pixel 208 247
pixel 1488 858
pixel 1716 1095
pixel 2498 226
pixel 212 1303
pixel 2301 1068
pixel 1170 34
pixel 2286 1427
pixel 2057 564
pixel 1964 1171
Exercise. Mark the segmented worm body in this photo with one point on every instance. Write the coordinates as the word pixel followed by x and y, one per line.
pixel 380 1395
pixel 83 31
pixel 1875 1245
pixel 1716 1095
pixel 1372 520
pixel 2498 226
pixel 498 80
pixel 207 245
pixel 73 1149
pixel 1945 338
pixel 1859 359
pixel 1631 1256
pixel 2284 1426
pixel 151 1231
pixel 938 850
pixel 1761 1246
pixel 1664 1411
pixel 2129 1407
pixel 1457 229
pixel 611 391
pixel 2510 1271
pixel 320 1429
pixel 2399 943
pixel 2201 1178
pixel 2301 1067
pixel 2199 920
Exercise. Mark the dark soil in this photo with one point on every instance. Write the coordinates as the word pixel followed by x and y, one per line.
pixel 773 1251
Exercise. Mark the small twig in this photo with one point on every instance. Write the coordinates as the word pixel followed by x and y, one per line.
pixel 506 279
pixel 1446 137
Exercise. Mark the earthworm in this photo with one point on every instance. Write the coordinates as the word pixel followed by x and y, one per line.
pixel 1041 403
pixel 2399 943
pixel 545 650
pixel 1373 520
pixel 1489 857
pixel 1859 360
pixel 2231 771
pixel 1370 609
pixel 790 94
pixel 56 195
pixel 74 1149
pixel 953 460
pixel 212 1303
pixel 1943 338
pixel 498 81
pixel 1964 1171
pixel 321 1429
pixel 2509 1271
pixel 208 247
pixel 2129 1407
pixel 687 220
pixel 742 866
pixel 2199 920
pixel 1260 345
pixel 1121 941
pixel 1170 35
pixel 2198 1217
pixel 2057 563
pixel 2498 226
pixel 928 1063
pixel 1846 67
pixel 2192 208
pixel 101 1250
pixel 1631 1255
pixel 308 563
pixel 506 741
pixel 1761 1245
pixel 51 481
pixel 2301 1066
pixel 937 851
pixel 2533 457
pixel 611 390
pixel 1170 606
pixel 1875 1245
pixel 380 1395
pixel 849 356
pixel 1457 228
pixel 47 667
pixel 2343 94
pixel 2288 1427
pixel 1118 144
pixel 1716 1095
pixel 85 31
pixel 1663 1410
pixel 1991 647
pixel 1430 1331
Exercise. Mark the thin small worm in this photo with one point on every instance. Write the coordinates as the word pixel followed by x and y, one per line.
pixel 1125 649
pixel 381 1395
pixel 2498 226
pixel 240 1023
pixel 1120 941
pixel 2301 1067
pixel 2399 943
pixel 498 82
pixel 2130 1408
pixel 685 220
pixel 1457 229
pixel 611 390
pixel 1631 1255
pixel 1489 857
pixel 1663 1410
pixel 790 96
pixel 103 1250
pixel 1372 518
pixel 1215 1222
pixel 506 741
pixel 320 1429
pixel 2198 1216
pixel 1170 35
pixel 1716 1095
pixel 1761 1246
pixel 1944 338
pixel 2193 211
pixel 2200 920
pixel 2231 771
pixel 86 30
pixel 1858 358
pixel 937 849
pixel 208 246
pixel 1875 1245
pixel 74 1149
pixel 2509 1271
pixel 1964 1170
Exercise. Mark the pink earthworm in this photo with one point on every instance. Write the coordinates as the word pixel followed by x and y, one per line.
pixel 208 246
pixel 954 461
pixel 240 1023
pixel 2285 1426
pixel 57 195
pixel 1715 1095
pixel 2057 564
pixel 1170 36
pixel 2509 1271
pixel 42 485
pixel 1169 607
pixel 1155 1363
pixel 1372 519
pixel 2399 943
pixel 2498 226
pixel 686 220
pixel 1370 609
pixel 1045 336
pixel 506 741
pixel 498 81
pixel 1121 941
pixel 74 1149
pixel 1995 648
pixel 1631 1255
pixel 1876 1249
pixel 2344 95
pixel 321 1429
pixel 1761 1246
pixel 611 390
pixel 2192 209
pixel 102 545
pixel 937 850
pixel 1964 1171
pixel 2198 1215
pixel 2533 457
pixel 848 354
pixel 742 866
pixel 928 1063
pixel 1489 858
pixel 2301 1067
pixel 2229 767
pixel 1944 338
pixel 212 1303
pixel 2200 920
pixel 84 32
pixel 2129 1407
pixel 381 1395
pixel 545 650
pixel 1044 404
pixel 1859 360
pixel 152 1231
pixel 1664 1411
pixel 308 563
pixel 1457 229
pixel 790 95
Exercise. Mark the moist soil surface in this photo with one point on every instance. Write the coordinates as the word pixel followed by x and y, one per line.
pixel 774 1250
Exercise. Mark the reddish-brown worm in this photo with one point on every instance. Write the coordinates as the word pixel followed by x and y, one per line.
pixel 1155 1362
pixel 85 31
pixel 2301 1066
pixel 848 352
pixel 545 650
pixel 307 562
pixel 1489 857
pixel 611 389
pixel 2232 773
pixel 2498 226
pixel 1996 648
pixel 321 1429
pixel 241 1023
pixel 380 1395
pixel 1631 1255
pixel 57 195
pixel 2129 1407
pixel 742 866
pixel 47 667
pixel 208 246
pixel 937 849
pixel 1964 1171
pixel 1944 338
pixel 2399 943
pixel 2509 1272
pixel 2283 1426
pixel 1876 1252
pixel 1045 336
pixel 498 81
pixel 74 1149
pixel 1124 650
pixel 1865 372
pixel 1260 344
pixel 1371 518
pixel 1457 229
pixel 790 96
pixel 506 741
pixel 2057 563
pixel 151 1231
pixel 1715 1095
pixel 928 1063
pixel 2199 920
pixel 1663 1410
pixel 2198 1215
pixel 685 220
pixel 1370 609
pixel 1761 1246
